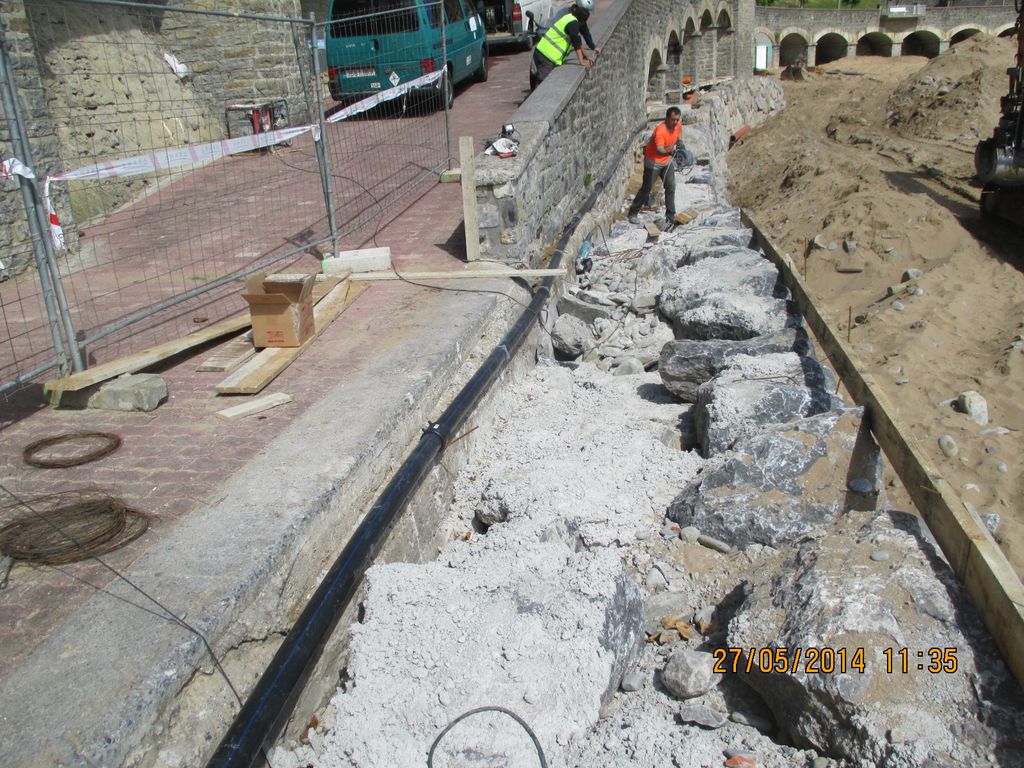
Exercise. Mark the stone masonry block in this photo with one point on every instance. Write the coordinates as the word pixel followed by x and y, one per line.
pixel 131 392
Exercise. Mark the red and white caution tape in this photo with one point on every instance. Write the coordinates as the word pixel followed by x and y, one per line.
pixel 168 159
pixel 164 160
pixel 378 98
pixel 201 154
pixel 14 166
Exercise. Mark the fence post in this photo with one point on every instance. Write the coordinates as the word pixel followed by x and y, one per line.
pixel 323 159
pixel 446 83
pixel 471 222
pixel 38 224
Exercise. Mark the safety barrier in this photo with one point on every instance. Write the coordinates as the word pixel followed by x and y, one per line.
pixel 156 156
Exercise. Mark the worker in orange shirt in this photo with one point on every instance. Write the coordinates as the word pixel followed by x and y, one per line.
pixel 665 142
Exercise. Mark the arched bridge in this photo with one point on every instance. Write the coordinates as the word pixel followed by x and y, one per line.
pixel 701 41
pixel 817 36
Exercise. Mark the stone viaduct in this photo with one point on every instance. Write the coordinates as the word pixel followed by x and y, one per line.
pixel 817 36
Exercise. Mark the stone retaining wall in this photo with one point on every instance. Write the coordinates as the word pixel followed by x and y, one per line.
pixel 574 126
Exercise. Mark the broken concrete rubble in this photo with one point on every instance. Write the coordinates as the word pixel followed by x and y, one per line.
pixel 773 487
pixel 580 479
pixel 685 364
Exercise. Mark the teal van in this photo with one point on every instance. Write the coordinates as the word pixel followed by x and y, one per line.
pixel 373 45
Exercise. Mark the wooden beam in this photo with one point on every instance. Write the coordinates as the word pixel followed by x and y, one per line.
pixel 990 580
pixel 471 222
pixel 141 360
pixel 467 274
pixel 145 358
pixel 267 364
pixel 256 405
pixel 229 356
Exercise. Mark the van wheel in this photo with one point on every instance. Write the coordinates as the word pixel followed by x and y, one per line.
pixel 481 72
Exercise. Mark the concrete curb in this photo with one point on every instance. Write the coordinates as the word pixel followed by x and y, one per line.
pixel 103 689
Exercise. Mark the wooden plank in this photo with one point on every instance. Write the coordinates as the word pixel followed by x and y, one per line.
pixel 256 405
pixel 266 365
pixel 145 358
pixel 466 274
pixel 990 580
pixel 471 222
pixel 153 355
pixel 455 174
pixel 229 356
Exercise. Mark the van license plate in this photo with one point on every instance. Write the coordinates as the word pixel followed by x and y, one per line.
pixel 359 72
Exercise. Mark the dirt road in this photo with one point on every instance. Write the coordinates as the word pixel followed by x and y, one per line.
pixel 873 157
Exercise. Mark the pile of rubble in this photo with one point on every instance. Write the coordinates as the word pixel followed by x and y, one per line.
pixel 671 545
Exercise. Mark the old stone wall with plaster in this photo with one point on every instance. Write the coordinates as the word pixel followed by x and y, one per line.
pixel 93 85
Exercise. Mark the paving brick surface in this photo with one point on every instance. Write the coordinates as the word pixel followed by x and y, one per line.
pixel 176 458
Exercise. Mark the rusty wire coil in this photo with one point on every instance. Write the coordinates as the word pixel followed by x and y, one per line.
pixel 109 443
pixel 67 527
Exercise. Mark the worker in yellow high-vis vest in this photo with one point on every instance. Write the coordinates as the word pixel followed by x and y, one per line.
pixel 566 33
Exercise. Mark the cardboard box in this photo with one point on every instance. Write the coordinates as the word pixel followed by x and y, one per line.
pixel 281 309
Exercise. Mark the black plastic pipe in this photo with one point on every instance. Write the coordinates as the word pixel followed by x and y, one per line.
pixel 270 704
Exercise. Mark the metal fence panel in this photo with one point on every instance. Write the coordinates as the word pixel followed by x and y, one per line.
pixel 156 133
pixel 383 158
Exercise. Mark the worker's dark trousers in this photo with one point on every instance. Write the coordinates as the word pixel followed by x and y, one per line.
pixel 668 178
pixel 542 67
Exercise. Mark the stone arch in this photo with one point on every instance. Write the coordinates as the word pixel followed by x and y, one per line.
pixel 1006 31
pixel 830 46
pixel 792 48
pixel 723 16
pixel 656 76
pixel 803 33
pixel 673 49
pixel 874 44
pixel 673 62
pixel 962 32
pixel 921 42
pixel 764 50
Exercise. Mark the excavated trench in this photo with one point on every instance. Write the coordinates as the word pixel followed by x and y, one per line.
pixel 670 542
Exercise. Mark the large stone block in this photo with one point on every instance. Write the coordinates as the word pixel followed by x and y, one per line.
pixel 759 494
pixel 131 392
pixel 751 392
pixel 687 363
pixel 861 612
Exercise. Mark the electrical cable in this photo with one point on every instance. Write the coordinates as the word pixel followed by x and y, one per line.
pixel 509 712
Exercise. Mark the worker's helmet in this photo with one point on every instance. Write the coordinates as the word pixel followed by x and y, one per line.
pixel 585 5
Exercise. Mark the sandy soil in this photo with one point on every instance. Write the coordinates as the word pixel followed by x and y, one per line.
pixel 877 155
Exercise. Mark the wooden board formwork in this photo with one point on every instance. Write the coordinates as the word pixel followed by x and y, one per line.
pixel 264 367
pixel 453 274
pixel 990 580
pixel 139 361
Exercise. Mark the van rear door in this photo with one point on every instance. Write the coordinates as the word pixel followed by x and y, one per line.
pixel 373 45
